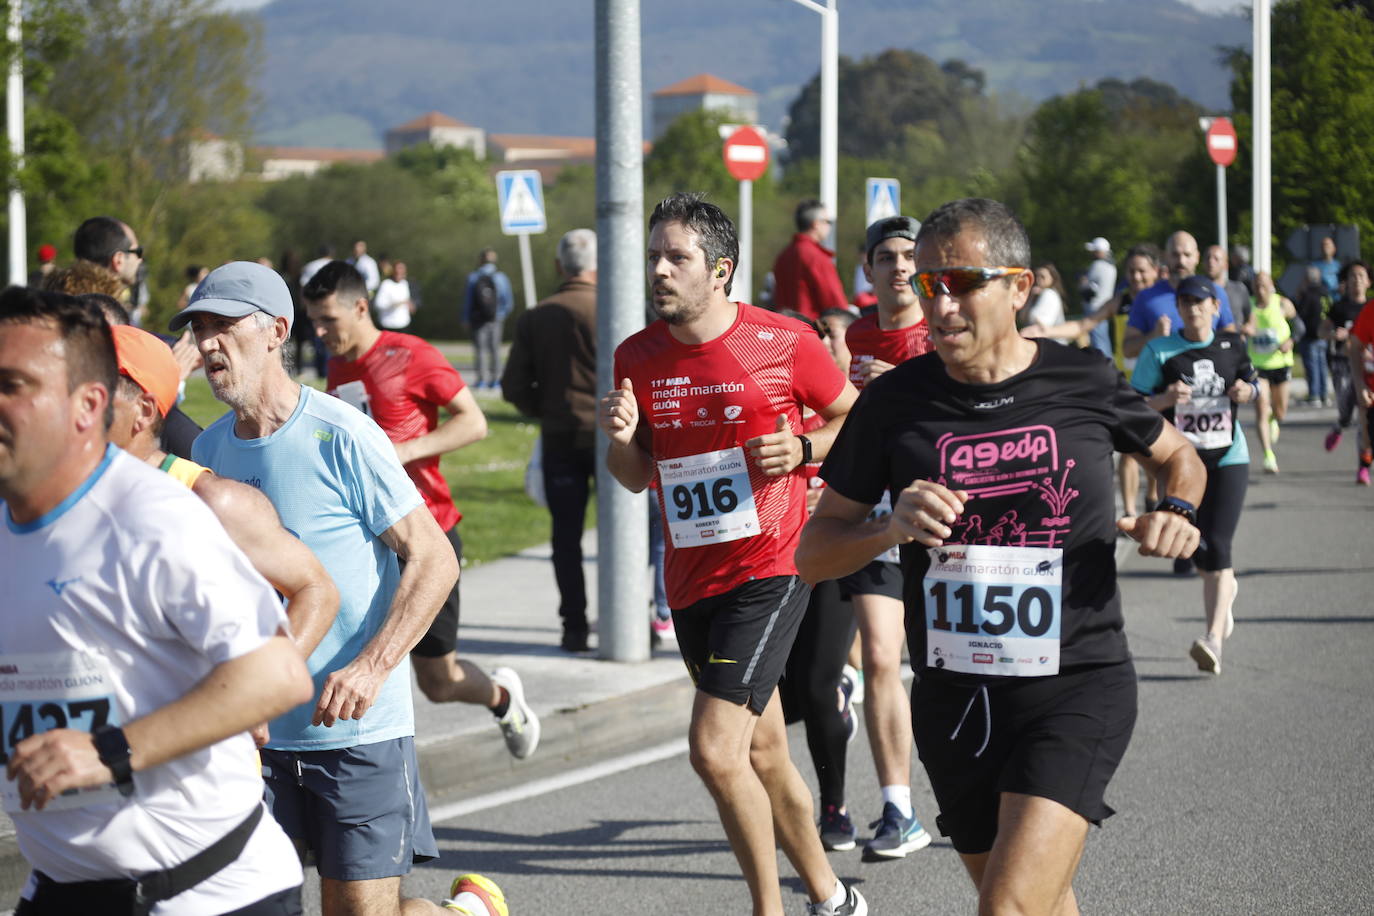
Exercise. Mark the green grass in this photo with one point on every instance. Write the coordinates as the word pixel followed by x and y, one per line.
pixel 487 478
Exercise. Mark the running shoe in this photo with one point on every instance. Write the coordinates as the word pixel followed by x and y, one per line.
pixel 1362 477
pixel 1333 439
pixel 854 905
pixel 519 726
pixel 837 830
pixel 1206 651
pixel 664 630
pixel 896 835
pixel 1274 430
pixel 855 677
pixel 476 895
pixel 1271 464
pixel 844 698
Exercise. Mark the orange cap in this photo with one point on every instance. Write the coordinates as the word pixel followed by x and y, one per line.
pixel 150 363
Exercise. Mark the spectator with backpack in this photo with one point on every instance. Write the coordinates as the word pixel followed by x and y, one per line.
pixel 486 303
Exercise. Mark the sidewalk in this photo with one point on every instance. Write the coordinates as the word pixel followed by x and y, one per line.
pixel 588 708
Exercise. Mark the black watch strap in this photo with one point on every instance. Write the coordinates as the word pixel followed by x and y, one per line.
pixel 1178 507
pixel 114 752
pixel 806 449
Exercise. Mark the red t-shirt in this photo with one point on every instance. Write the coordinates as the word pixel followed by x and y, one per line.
pixel 1363 329
pixel 725 522
pixel 867 341
pixel 805 278
pixel 401 382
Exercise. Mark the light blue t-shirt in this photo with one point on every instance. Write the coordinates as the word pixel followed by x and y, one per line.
pixel 1160 300
pixel 337 484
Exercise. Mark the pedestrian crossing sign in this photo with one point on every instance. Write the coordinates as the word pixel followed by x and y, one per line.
pixel 884 197
pixel 521 200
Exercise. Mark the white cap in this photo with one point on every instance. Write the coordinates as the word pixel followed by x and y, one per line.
pixel 1098 244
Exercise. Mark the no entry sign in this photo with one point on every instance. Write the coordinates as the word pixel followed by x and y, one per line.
pixel 746 154
pixel 1221 142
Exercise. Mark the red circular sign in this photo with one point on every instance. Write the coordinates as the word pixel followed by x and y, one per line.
pixel 1221 142
pixel 746 154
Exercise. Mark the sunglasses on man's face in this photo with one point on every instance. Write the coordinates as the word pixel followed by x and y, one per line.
pixel 136 251
pixel 958 281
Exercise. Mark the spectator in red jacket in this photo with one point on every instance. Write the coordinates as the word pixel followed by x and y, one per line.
pixel 804 273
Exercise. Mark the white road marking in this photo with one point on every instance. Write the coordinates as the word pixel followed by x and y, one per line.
pixel 562 781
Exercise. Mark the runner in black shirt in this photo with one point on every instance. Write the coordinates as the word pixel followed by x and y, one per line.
pixel 1196 377
pixel 997 453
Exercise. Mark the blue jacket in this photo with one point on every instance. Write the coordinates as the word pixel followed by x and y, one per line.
pixel 505 300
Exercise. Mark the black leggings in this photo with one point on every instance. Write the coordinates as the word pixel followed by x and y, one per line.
pixel 810 685
pixel 1219 514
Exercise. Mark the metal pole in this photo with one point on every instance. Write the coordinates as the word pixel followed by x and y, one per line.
pixel 14 124
pixel 1221 207
pixel 1261 206
pixel 740 290
pixel 527 271
pixel 622 532
pixel 830 131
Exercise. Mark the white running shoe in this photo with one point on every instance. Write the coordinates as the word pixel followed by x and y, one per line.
pixel 519 726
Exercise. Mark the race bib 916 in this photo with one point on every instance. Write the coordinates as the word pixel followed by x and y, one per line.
pixel 707 498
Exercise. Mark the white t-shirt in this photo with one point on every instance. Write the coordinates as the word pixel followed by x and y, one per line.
pixel 367 266
pixel 118 602
pixel 393 304
pixel 311 268
pixel 1046 310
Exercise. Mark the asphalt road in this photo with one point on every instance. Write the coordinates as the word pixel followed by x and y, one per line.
pixel 1245 793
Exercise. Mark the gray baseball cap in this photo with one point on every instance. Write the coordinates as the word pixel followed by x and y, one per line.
pixel 893 227
pixel 237 289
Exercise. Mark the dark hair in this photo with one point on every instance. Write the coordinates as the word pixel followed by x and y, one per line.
pixel 98 238
pixel 713 229
pixel 1148 251
pixel 87 344
pixel 804 319
pixel 113 310
pixel 805 214
pixel 1002 233
pixel 1344 272
pixel 1056 282
pixel 845 315
pixel 336 277
pixel 193 272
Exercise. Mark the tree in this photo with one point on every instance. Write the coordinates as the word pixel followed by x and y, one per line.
pixel 1121 160
pixel 1321 116
pixel 688 156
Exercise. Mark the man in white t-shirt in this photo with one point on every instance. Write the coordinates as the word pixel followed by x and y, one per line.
pixel 367 266
pixel 393 303
pixel 139 648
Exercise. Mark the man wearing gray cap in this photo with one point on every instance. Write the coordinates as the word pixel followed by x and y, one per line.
pixel 890 336
pixel 340 773
pixel 1099 285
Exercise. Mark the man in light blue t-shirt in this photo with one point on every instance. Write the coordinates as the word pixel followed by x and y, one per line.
pixel 341 772
pixel 1143 324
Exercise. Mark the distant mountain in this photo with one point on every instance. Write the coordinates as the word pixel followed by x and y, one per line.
pixel 340 73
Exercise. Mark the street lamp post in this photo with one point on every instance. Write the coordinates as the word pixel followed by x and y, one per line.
pixel 14 125
pixel 830 131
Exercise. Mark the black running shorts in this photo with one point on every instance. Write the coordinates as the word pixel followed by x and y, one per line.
pixel 735 644
pixel 442 636
pixel 877 578
pixel 1059 737
pixel 1276 376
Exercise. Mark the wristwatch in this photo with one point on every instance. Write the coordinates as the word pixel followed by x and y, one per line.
pixel 806 449
pixel 114 752
pixel 1178 507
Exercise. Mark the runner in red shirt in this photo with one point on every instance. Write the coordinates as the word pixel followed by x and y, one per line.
pixel 888 337
pixel 708 399
pixel 1362 379
pixel 804 274
pixel 401 382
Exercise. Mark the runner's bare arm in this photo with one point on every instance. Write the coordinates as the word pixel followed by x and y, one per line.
pixel 1180 472
pixel 628 458
pixel 428 577
pixel 234 696
pixel 312 600
pixel 840 539
pixel 780 452
pixel 464 425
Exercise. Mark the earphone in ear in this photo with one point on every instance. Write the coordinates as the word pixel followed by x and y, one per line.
pixel 721 272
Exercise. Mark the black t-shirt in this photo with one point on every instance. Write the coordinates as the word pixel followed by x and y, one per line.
pixel 1343 313
pixel 1210 372
pixel 1034 453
